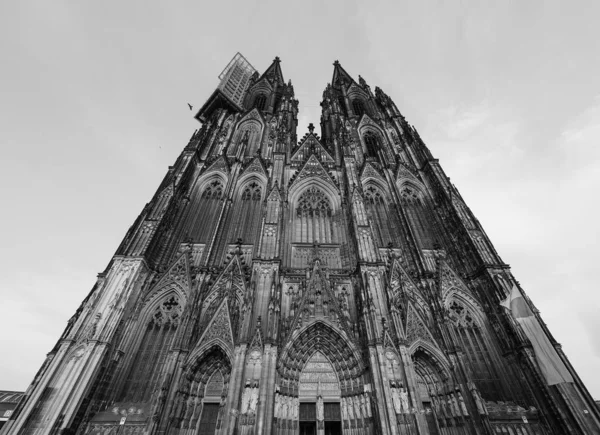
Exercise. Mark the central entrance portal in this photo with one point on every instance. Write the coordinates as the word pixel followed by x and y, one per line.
pixel 319 383
pixel 309 425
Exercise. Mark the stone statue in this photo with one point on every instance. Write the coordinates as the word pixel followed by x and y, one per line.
pixel 463 406
pixel 320 409
pixel 477 397
pixel 396 399
pixel 363 406
pixel 253 398
pixel 277 405
pixel 343 409
pixel 368 404
pixel 455 407
pixel 357 407
pixel 246 397
pixel 404 400
pixel 350 408
pixel 295 408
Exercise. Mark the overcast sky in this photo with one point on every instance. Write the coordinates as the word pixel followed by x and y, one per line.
pixel 93 110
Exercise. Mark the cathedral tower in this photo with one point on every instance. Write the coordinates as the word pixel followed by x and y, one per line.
pixel 336 284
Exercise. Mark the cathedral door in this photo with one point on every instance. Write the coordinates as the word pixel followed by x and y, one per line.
pixel 308 428
pixel 208 421
pixel 333 419
pixel 308 418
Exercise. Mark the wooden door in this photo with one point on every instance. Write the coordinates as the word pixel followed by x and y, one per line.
pixel 208 421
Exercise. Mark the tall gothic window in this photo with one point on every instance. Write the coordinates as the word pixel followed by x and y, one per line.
pixel 342 105
pixel 384 221
pixel 205 211
pixel 359 107
pixel 372 144
pixel 418 216
pixel 260 101
pixel 313 220
pixel 247 139
pixel 248 214
pixel 150 357
pixel 470 335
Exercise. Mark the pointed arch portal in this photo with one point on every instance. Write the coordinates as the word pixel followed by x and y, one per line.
pixel 320 374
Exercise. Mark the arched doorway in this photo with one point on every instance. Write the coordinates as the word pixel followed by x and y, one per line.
pixel 200 399
pixel 321 385
pixel 319 395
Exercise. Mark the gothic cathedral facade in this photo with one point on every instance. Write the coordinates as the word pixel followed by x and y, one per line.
pixel 336 284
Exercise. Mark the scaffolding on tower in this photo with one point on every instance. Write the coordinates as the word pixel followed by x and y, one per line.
pixel 234 81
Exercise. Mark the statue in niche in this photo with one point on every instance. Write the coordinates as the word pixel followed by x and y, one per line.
pixel 277 405
pixel 350 408
pixel 246 397
pixel 320 409
pixel 463 407
pixel 450 407
pixel 287 408
pixel 343 409
pixel 363 406
pixel 404 399
pixel 477 397
pixel 254 397
pixel 295 408
pixel 368 405
pixel 396 398
pixel 357 406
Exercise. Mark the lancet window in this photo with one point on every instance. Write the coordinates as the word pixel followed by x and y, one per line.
pixel 247 139
pixel 342 105
pixel 372 144
pixel 383 219
pixel 204 211
pixel 472 338
pixel 260 102
pixel 248 214
pixel 314 217
pixel 150 357
pixel 358 107
pixel 419 217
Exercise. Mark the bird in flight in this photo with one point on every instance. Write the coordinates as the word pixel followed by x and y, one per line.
pixel 191 107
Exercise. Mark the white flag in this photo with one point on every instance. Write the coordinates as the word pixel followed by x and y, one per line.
pixel 551 365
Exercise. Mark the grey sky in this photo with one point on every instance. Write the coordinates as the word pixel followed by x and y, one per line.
pixel 93 111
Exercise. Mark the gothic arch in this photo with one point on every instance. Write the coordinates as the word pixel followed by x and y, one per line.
pixel 176 281
pixel 417 207
pixel 261 87
pixel 249 130
pixel 355 93
pixel 218 168
pixel 203 387
pixel 202 352
pixel 205 205
pixel 366 124
pixel 457 294
pixel 327 188
pixel 470 331
pixel 152 339
pixel 383 216
pixel 207 178
pixel 323 337
pixel 413 184
pixel 249 177
pixel 313 216
pixel 438 358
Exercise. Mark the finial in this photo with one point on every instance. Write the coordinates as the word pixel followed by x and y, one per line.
pixel 311 127
pixel 336 63
pixel 276 59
